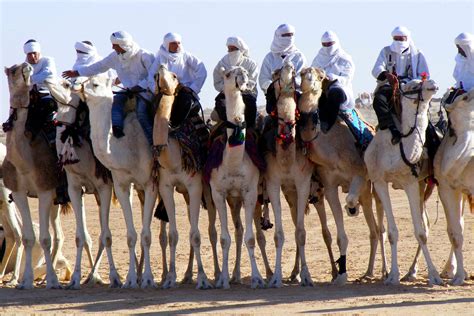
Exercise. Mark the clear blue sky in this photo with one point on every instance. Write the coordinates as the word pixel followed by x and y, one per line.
pixel 363 27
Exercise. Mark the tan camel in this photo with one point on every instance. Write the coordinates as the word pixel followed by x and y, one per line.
pixel 173 174
pixel 398 164
pixel 236 179
pixel 83 170
pixel 30 169
pixel 290 170
pixel 338 163
pixel 130 160
pixel 454 170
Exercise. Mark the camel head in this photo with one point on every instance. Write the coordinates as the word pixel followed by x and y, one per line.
pixel 19 77
pixel 67 101
pixel 235 78
pixel 461 112
pixel 417 94
pixel 166 81
pixel 312 80
pixel 92 88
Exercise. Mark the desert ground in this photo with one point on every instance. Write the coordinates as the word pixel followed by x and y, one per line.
pixel 356 297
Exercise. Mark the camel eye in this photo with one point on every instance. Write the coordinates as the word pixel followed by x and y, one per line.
pixel 95 85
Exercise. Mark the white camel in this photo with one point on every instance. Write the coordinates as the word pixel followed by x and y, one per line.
pixel 290 170
pixel 173 174
pixel 338 163
pixel 237 177
pixel 398 164
pixel 83 170
pixel 454 170
pixel 130 160
pixel 30 169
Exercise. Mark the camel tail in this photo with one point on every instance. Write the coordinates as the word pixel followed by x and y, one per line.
pixel 430 185
pixel 471 203
pixel 66 209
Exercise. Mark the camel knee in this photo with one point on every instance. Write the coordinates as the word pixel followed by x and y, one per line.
pixel 106 239
pixel 146 239
pixel 79 241
pixel 456 239
pixel 225 242
pixel 250 242
pixel 28 242
pixel 132 240
pixel 342 241
pixel 301 237
pixel 279 239
pixel 261 239
pixel 212 235
pixel 173 238
pixel 393 236
pixel 46 243
pixel 195 239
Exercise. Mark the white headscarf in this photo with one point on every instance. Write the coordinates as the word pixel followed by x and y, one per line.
pixel 328 55
pixel 88 56
pixel 466 42
pixel 283 45
pixel 400 46
pixel 125 41
pixel 31 47
pixel 234 58
pixel 164 52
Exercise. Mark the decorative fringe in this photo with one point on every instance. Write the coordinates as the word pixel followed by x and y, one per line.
pixel 161 213
pixel 214 159
pixel 68 155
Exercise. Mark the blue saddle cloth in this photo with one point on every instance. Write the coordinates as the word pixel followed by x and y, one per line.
pixel 362 132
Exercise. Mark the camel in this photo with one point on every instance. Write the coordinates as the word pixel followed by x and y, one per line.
pixel 338 163
pixel 83 170
pixel 398 164
pixel 289 170
pixel 236 179
pixel 454 170
pixel 130 160
pixel 173 174
pixel 30 169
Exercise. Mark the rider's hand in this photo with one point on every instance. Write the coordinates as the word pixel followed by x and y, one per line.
pixel 70 74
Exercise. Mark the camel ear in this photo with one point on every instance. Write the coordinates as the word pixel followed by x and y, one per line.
pixel 7 71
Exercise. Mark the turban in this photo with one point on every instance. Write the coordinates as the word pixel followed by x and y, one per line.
pixel 239 43
pixel 31 47
pixel 283 45
pixel 85 48
pixel 329 36
pixel 401 31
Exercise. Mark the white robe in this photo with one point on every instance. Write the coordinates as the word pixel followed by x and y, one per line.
pixel 246 63
pixel 464 72
pixel 273 61
pixel 189 69
pixel 44 69
pixel 401 61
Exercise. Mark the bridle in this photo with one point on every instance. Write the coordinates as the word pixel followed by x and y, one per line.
pixel 237 137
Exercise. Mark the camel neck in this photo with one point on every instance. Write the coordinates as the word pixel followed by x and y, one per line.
pixel 418 122
pixel 162 119
pixel 309 102
pixel 235 106
pixel 20 98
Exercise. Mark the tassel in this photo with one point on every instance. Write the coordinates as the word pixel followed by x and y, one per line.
pixel 68 155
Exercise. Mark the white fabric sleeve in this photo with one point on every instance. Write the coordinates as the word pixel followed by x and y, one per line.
pixel 380 65
pixel 199 73
pixel 98 67
pixel 151 75
pixel 147 61
pixel 422 65
pixel 265 77
pixel 48 70
pixel 253 76
pixel 345 73
pixel 218 78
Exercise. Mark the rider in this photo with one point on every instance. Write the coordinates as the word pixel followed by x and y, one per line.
pixel 131 63
pixel 401 61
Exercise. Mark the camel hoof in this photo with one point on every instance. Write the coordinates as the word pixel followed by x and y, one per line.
pixel 409 277
pixel 435 279
pixel 203 283
pixel 236 279
pixel 447 273
pixel 54 286
pixel 458 279
pixel 170 281
pixel 392 279
pixel 275 282
pixel 148 284
pixel 130 284
pixel 25 286
pixel 188 279
pixel 11 283
pixel 366 278
pixel 257 283
pixel 294 276
pixel 73 285
pixel 305 277
pixel 93 279
pixel 340 280
pixel 222 282
pixel 352 211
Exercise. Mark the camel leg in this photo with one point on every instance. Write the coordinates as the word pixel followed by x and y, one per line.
pixel 57 253
pixel 412 271
pixel 219 201
pixel 11 220
pixel 366 202
pixel 104 206
pixel 147 279
pixel 302 189
pixel 413 193
pixel 166 193
pixel 188 275
pixel 332 197
pixel 450 266
pixel 123 195
pixel 452 203
pixel 195 193
pixel 326 235
pixel 28 239
pixel 292 201
pixel 250 200
pixel 82 236
pixel 212 214
pixel 45 205
pixel 163 244
pixel 381 231
pixel 235 207
pixel 261 241
pixel 382 191
pixel 273 190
